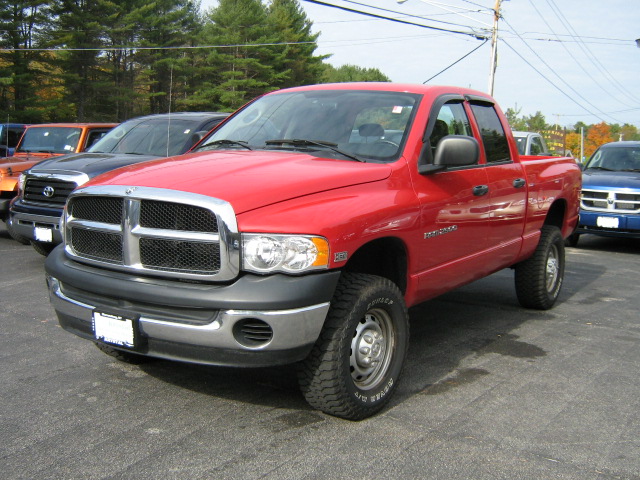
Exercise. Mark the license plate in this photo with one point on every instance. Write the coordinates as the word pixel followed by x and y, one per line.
pixel 43 234
pixel 114 329
pixel 608 222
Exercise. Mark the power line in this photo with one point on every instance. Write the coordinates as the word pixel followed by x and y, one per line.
pixel 359 12
pixel 132 47
pixel 457 61
pixel 556 73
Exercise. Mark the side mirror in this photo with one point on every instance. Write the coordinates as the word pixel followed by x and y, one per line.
pixel 453 151
pixel 457 151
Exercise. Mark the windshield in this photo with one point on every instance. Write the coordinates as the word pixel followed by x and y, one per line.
pixel 50 139
pixel 160 137
pixel 368 125
pixel 615 159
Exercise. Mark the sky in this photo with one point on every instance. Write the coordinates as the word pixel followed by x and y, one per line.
pixel 571 60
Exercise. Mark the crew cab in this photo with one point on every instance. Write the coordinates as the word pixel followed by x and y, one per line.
pixel 302 229
pixel 38 143
pixel 36 211
pixel 610 204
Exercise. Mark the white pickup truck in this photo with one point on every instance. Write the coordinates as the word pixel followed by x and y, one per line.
pixel 531 143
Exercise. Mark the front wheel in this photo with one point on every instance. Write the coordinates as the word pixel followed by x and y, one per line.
pixel 43 248
pixel 539 278
pixel 355 364
pixel 13 234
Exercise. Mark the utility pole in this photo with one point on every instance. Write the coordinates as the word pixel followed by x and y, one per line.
pixel 494 46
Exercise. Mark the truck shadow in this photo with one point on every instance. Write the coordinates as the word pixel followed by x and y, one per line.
pixel 474 320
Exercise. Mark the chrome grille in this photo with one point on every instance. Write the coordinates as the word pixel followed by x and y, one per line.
pixel 610 201
pixel 51 191
pixel 153 231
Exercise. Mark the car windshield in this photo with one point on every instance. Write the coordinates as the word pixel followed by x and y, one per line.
pixel 351 125
pixel 50 140
pixel 615 159
pixel 161 137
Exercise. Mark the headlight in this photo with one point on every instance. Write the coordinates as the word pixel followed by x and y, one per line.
pixel 267 253
pixel 21 181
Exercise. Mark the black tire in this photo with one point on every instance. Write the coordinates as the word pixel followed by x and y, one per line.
pixel 572 240
pixel 539 278
pixel 13 234
pixel 342 380
pixel 126 357
pixel 42 248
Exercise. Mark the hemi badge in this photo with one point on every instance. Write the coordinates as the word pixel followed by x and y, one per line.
pixel 340 257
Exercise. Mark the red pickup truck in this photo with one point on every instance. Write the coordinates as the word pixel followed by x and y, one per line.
pixel 304 226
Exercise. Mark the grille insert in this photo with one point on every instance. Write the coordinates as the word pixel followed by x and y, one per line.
pixel 605 201
pixel 176 216
pixel 98 209
pixel 179 255
pixel 102 246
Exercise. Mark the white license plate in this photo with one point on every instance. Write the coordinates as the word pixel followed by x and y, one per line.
pixel 113 329
pixel 43 234
pixel 608 222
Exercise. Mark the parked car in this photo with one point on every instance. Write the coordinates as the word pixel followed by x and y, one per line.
pixel 531 143
pixel 36 211
pixel 38 143
pixel 301 229
pixel 10 134
pixel 610 204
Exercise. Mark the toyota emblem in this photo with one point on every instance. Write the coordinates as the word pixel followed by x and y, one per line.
pixel 48 191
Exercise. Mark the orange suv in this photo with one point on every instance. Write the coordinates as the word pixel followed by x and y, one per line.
pixel 40 142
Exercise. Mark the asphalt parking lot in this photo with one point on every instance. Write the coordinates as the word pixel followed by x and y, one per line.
pixel 490 391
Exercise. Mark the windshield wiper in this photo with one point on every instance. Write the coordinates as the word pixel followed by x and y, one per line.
pixel 599 168
pixel 225 142
pixel 296 142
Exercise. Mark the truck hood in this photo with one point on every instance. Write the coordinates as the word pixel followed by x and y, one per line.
pixel 248 179
pixel 618 180
pixel 17 164
pixel 91 164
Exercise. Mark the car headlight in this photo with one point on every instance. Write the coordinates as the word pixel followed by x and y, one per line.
pixel 21 181
pixel 268 253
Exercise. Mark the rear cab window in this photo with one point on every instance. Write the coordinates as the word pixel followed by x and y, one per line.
pixel 494 138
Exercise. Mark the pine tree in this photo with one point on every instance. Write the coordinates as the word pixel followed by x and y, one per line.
pixel 296 56
pixel 21 70
pixel 241 63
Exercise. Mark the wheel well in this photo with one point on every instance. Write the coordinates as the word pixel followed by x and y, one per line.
pixel 385 257
pixel 556 214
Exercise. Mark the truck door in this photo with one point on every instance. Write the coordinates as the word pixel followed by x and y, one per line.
pixel 454 207
pixel 507 186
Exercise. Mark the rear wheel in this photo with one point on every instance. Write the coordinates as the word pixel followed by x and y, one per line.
pixel 539 278
pixel 354 366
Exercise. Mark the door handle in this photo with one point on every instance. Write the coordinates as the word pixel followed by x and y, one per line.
pixel 519 182
pixel 480 190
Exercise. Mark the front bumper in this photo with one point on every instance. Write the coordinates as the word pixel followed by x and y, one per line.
pixel 628 224
pixel 25 224
pixel 199 323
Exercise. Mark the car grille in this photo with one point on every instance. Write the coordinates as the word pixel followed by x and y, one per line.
pixel 157 236
pixel 610 201
pixel 48 191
